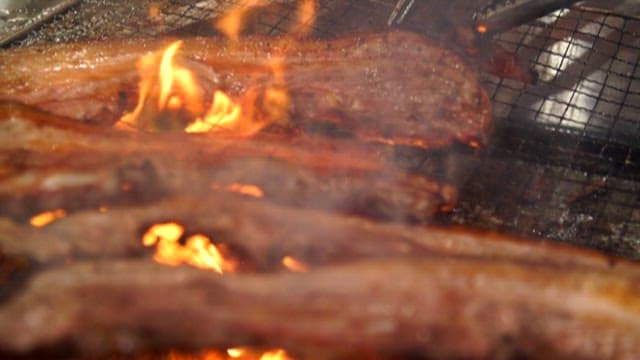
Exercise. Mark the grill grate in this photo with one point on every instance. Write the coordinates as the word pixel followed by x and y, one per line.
pixel 564 161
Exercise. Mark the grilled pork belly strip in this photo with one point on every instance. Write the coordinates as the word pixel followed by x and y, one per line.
pixel 423 308
pixel 265 232
pixel 399 86
pixel 47 163
pixel 147 177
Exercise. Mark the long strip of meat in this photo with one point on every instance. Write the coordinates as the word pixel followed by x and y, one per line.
pixel 109 180
pixel 25 128
pixel 263 233
pixel 397 86
pixel 47 164
pixel 418 308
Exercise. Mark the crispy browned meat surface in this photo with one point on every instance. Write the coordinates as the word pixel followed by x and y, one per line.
pixel 47 164
pixel 266 232
pixel 419 308
pixel 382 289
pixel 86 283
pixel 397 86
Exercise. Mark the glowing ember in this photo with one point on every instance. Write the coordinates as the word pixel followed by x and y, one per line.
pixel 241 353
pixel 250 354
pixel 294 265
pixel 481 28
pixel 275 355
pixel 249 190
pixel 236 352
pixel 47 217
pixel 244 189
pixel 198 250
pixel 474 144
pixel 203 355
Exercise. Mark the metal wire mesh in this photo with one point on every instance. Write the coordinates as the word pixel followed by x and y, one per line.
pixel 565 157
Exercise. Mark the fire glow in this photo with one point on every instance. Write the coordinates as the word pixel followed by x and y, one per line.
pixel 238 353
pixel 171 97
pixel 294 265
pixel 232 23
pixel 243 189
pixel 243 353
pixel 197 251
pixel 47 217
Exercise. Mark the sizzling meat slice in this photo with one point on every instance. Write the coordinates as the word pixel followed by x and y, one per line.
pixel 47 163
pixel 418 308
pixel 387 290
pixel 393 87
pixel 264 232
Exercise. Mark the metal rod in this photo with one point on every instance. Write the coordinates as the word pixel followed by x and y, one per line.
pixel 400 11
pixel 521 14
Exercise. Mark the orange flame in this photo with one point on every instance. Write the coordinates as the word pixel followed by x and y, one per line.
pixel 275 103
pixel 306 18
pixel 47 217
pixel 245 353
pixel 172 87
pixel 244 189
pixel 198 250
pixel 223 114
pixel 249 190
pixel 294 265
pixel 240 353
pixel 275 355
pixel 169 92
pixel 203 355
pixel 231 23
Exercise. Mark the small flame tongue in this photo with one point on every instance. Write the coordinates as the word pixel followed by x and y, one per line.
pixel 244 353
pixel 232 23
pixel 224 114
pixel 47 217
pixel 197 251
pixel 169 93
pixel 170 96
pixel 239 353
